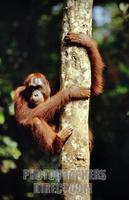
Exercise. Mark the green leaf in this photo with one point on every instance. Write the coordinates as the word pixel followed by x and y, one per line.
pixel 7 165
pixel 11 109
pixel 119 90
pixel 9 142
pixel 124 7
pixel 2 118
pixel 8 148
pixel 16 154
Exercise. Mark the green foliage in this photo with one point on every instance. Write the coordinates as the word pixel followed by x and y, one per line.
pixel 119 90
pixel 2 117
pixel 30 41
pixel 109 114
pixel 124 7
pixel 7 165
pixel 9 152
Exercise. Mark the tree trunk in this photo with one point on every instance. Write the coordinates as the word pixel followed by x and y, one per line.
pixel 75 69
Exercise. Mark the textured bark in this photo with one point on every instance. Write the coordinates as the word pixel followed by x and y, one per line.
pixel 75 69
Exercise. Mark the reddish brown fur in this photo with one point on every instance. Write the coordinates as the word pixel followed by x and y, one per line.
pixel 91 138
pixel 30 76
pixel 36 118
pixel 97 65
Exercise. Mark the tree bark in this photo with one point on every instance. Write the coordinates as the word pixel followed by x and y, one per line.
pixel 75 69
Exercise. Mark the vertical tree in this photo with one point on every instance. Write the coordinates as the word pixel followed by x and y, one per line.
pixel 75 69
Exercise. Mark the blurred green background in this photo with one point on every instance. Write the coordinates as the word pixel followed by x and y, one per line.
pixel 30 41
